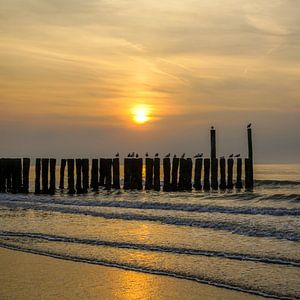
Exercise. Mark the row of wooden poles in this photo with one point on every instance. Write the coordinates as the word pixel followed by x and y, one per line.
pixel 178 173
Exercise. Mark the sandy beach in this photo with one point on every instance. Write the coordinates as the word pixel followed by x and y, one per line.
pixel 30 276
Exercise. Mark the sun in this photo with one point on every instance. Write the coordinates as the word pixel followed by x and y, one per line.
pixel 141 114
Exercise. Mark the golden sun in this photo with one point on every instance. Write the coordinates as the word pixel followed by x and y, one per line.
pixel 141 114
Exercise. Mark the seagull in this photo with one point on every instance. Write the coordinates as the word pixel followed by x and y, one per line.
pixel 174 156
pixel 168 155
pixel 146 154
pixel 201 155
pixel 231 155
pixel 197 155
pixel 238 155
pixel 132 154
pixel 128 155
pixel 117 154
pixel 137 156
pixel 183 155
pixel 212 128
pixel 249 125
pixel 156 154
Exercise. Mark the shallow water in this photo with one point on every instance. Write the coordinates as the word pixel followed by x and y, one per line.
pixel 245 241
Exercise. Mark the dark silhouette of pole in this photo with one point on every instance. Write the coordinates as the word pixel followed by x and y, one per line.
pixel 175 165
pixel 230 173
pixel 116 173
pixel 249 181
pixel 102 172
pixel 206 185
pixel 2 175
pixel 85 175
pixel 167 174
pixel 213 151
pixel 182 173
pixel 26 170
pixel 62 173
pixel 45 171
pixel 71 189
pixel 95 176
pixel 78 163
pixel 108 164
pixel 127 173
pixel 157 174
pixel 222 173
pixel 214 174
pixel 149 173
pixel 52 187
pixel 197 174
pixel 37 188
pixel 188 174
pixel 239 183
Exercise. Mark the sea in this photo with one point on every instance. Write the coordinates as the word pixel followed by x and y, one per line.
pixel 245 241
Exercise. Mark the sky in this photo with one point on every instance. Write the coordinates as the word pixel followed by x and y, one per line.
pixel 73 72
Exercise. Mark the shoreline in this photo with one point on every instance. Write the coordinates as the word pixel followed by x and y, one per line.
pixel 52 281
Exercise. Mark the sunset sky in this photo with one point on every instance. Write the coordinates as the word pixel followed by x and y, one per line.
pixel 73 73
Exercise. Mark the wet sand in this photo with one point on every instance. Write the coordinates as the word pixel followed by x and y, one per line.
pixel 30 276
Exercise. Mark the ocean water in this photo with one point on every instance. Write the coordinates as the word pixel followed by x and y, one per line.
pixel 245 241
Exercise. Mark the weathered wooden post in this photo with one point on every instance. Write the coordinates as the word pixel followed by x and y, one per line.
pixel 206 184
pixel 45 171
pixel 133 177
pixel 239 183
pixel 95 177
pixel 157 174
pixel 9 174
pixel 175 166
pixel 52 176
pixel 214 174
pixel 71 189
pixel 2 176
pixel 182 173
pixel 102 172
pixel 213 161
pixel 188 174
pixel 139 181
pixel 62 173
pixel 17 176
pixel 127 173
pixel 149 173
pixel 249 181
pixel 167 174
pixel 230 173
pixel 116 173
pixel 197 174
pixel 78 163
pixel 26 169
pixel 222 173
pixel 37 188
pixel 85 175
pixel 108 174
pixel 14 172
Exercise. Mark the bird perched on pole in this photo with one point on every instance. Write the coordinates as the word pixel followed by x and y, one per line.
pixel 183 155
pixel 156 154
pixel 147 154
pixel 238 155
pixel 249 125
pixel 132 154
pixel 212 127
pixel 168 155
pixel 117 154
pixel 174 156
pixel 137 155
pixel 231 155
pixel 128 155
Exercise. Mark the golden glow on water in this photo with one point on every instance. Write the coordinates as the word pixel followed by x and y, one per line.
pixel 141 113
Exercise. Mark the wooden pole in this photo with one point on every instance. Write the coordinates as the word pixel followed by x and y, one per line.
pixel 18 173
pixel 213 151
pixel 167 174
pixel 26 169
pixel 45 171
pixel 52 176
pixel 78 163
pixel 127 173
pixel 133 177
pixel 239 183
pixel 108 174
pixel 62 173
pixel 157 174
pixel 95 176
pixel 116 173
pixel 102 172
pixel 85 175
pixel 197 174
pixel 230 173
pixel 249 180
pixel 71 189
pixel 9 171
pixel 37 188
pixel 188 174
pixel 175 166
pixel 149 173
pixel 206 185
pixel 222 173
pixel 182 173
pixel 214 174
pixel 139 174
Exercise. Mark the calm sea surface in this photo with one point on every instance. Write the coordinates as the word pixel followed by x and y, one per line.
pixel 241 240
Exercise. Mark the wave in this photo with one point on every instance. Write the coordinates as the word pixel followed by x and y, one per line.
pixel 276 183
pixel 156 248
pixel 247 229
pixel 143 269
pixel 271 211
